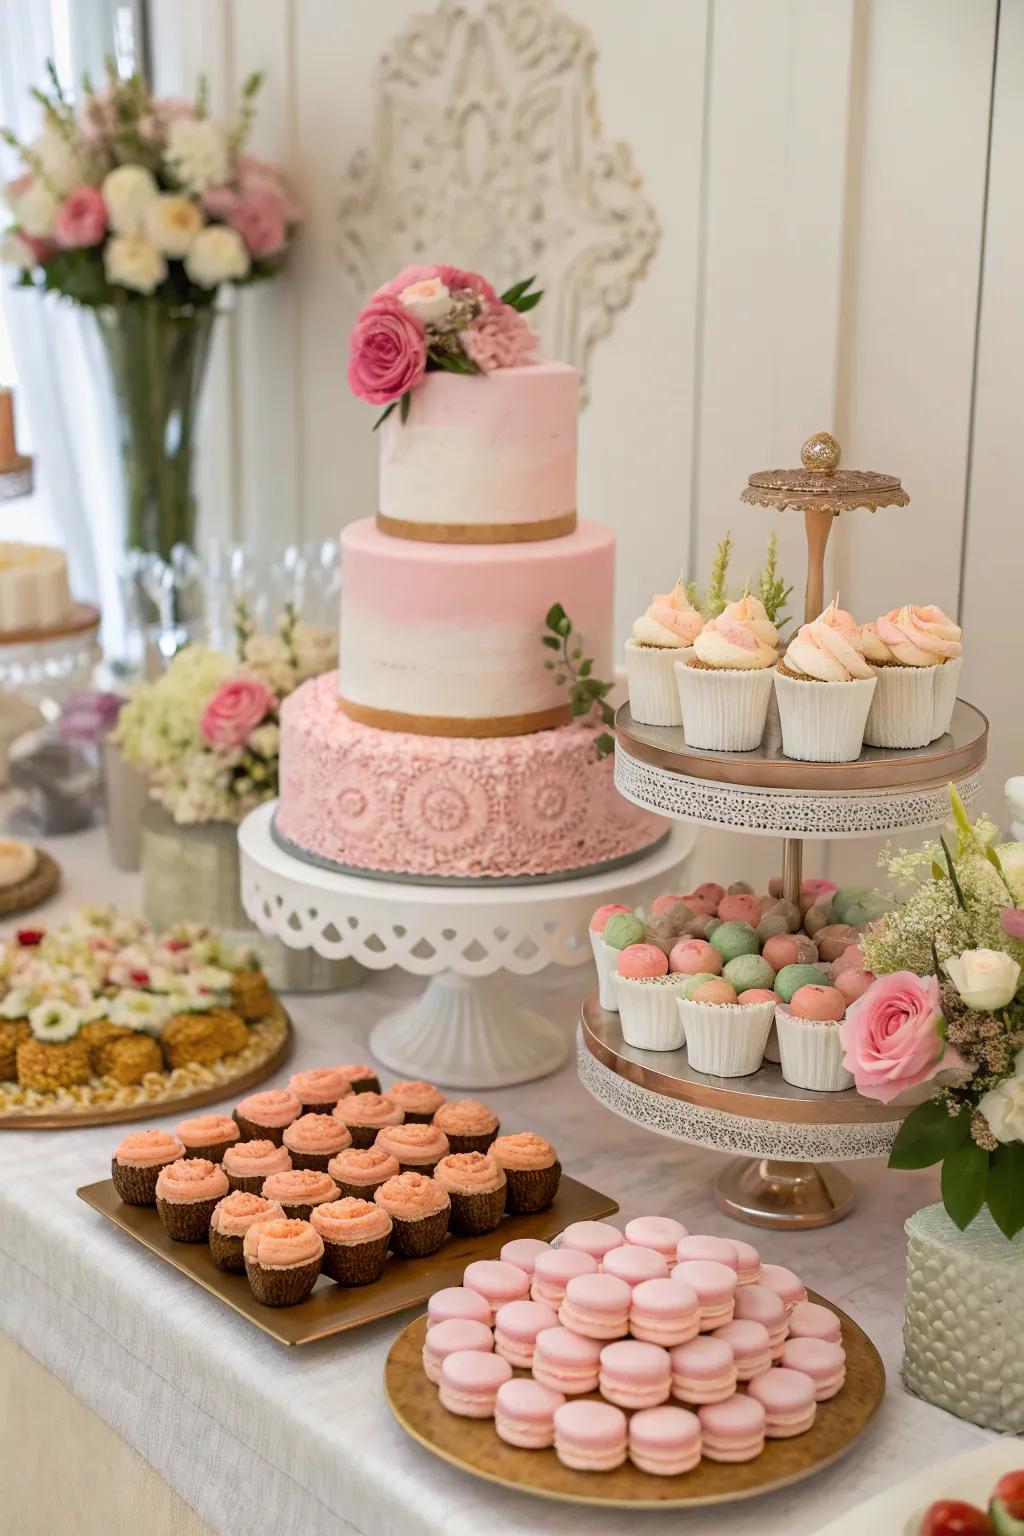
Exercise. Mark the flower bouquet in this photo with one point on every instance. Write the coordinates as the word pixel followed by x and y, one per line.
pixel 141 208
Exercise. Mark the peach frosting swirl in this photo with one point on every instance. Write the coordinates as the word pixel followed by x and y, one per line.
pixel 416 1098
pixel 741 638
pixel 205 1130
pixel 351 1221
pixel 363 1165
pixel 193 1178
pixel 466 1117
pixel 670 620
pixel 829 649
pixel 356 1072
pixel 251 1159
pixel 523 1150
pixel 920 637
pixel 282 1244
pixel 410 1196
pixel 322 1085
pixel 368 1109
pixel 276 1107
pixel 144 1149
pixel 317 1133
pixel 874 647
pixel 300 1186
pixel 236 1213
pixel 469 1173
pixel 413 1143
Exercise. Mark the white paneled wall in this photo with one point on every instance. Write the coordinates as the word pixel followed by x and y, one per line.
pixel 842 236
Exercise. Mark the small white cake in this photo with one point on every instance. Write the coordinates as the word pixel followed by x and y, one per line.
pixel 34 592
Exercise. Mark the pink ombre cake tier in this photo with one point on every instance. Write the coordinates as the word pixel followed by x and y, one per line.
pixel 467 808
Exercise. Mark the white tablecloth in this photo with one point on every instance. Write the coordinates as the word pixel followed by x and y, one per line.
pixel 257 1437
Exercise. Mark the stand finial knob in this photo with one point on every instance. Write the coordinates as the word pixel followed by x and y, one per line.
pixel 821 453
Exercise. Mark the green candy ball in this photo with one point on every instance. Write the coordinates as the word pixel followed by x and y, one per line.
pixel 844 899
pixel 792 977
pixel 748 971
pixel 866 909
pixel 623 929
pixel 734 939
pixel 693 982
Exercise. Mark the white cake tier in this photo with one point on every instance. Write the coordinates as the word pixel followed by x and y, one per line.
pixel 34 591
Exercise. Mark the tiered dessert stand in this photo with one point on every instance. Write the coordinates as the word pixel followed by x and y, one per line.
pixel 469 1028
pixel 778 1132
pixel 49 664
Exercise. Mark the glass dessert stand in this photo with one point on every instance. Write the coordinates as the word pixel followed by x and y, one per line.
pixel 49 664
pixel 468 1028
pixel 779 1132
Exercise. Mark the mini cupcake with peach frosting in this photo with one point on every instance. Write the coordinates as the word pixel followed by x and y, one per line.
pixel 364 1114
pixel 661 636
pixel 420 1100
pixel 360 1077
pixel 248 1164
pixel 136 1164
pixel 917 677
pixel 420 1211
pixel 298 1190
pixel 360 1171
pixel 476 1187
pixel 532 1171
pixel 419 1148
pixel 320 1089
pixel 646 992
pixel 187 1193
pixel 232 1217
pixel 282 1260
pixel 469 1125
pixel 263 1116
pixel 824 686
pixel 725 686
pixel 313 1139
pixel 208 1136
pixel 356 1235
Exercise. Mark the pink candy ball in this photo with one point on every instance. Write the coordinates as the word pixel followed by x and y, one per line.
pixel 717 991
pixel 834 940
pixel 690 956
pixel 642 960
pixel 811 890
pixel 781 950
pixel 821 1004
pixel 740 909
pixel 663 903
pixel 599 921
pixel 851 959
pixel 853 984
pixel 759 995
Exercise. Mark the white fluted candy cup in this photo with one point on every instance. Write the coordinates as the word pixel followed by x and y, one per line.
pixel 902 712
pixel 651 676
pixel 811 1052
pixel 648 1015
pixel 724 708
pixel 823 722
pixel 725 1039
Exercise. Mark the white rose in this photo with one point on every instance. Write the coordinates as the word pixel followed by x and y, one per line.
pixel 218 255
pixel 16 252
pixel 265 740
pixel 1003 1107
pixel 36 210
pixel 57 160
pixel 172 223
pixel 133 262
pixel 265 651
pixel 429 300
pixel 985 978
pixel 128 192
pixel 196 153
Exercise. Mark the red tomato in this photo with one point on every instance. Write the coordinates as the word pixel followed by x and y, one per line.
pixel 1010 1490
pixel 951 1517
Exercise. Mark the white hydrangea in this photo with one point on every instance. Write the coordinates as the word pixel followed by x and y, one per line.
pixel 196 153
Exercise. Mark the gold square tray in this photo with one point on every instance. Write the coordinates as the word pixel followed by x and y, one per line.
pixel 334 1308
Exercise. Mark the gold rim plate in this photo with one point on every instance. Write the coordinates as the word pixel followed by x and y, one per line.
pixel 81 618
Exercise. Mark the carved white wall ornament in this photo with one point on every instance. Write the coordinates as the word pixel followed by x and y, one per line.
pixel 487 152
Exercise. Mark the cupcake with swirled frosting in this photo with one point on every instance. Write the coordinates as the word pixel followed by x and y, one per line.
pixel 824 686
pixel 725 685
pixel 282 1260
pixel 662 635
pixel 356 1235
pixel 187 1194
pixel 918 655
pixel 476 1186
pixel 232 1217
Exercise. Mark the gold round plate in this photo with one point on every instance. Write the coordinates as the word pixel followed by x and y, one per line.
pixel 151 1109
pixel 81 618
pixel 36 888
pixel 473 1446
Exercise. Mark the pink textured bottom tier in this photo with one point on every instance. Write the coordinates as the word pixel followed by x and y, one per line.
pixel 437 807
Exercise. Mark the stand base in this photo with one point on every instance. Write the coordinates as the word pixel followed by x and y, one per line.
pixel 786 1196
pixel 469 1032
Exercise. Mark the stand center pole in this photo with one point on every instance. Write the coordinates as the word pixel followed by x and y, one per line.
pixel 792 869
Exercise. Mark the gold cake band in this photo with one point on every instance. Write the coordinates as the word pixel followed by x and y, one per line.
pixel 452 725
pixel 478 533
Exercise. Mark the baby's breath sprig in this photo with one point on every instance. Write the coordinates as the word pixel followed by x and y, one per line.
pixel 575 672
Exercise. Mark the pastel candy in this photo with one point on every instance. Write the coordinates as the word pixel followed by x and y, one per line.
pixel 733 1430
pixel 524 1413
pixel 523 1251
pixel 822 1361
pixel 740 908
pixel 469 1383
pixel 786 1285
pixel 788 1400
pixel 748 971
pixel 635 1264
pixel 703 1371
pixel 833 939
pixel 792 977
pixel 661 1233
pixel 444 1339
pixel 457 1301
pixel 721 1250
pixel 750 1344
pixel 624 928
pixel 642 961
pixel 596 1306
pixel 566 1361
pixel 664 1312
pixel 593 1237
pixel 664 1441
pixel 781 950
pixel 693 957
pixel 732 939
pixel 717 990
pixel 808 1320
pixel 553 1270
pixel 694 982
pixel 635 1374
pixel 822 1004
pixel 590 1437
pixel 496 1281
pixel 853 984
pixel 715 1285
pixel 516 1326
pixel 600 919
pixel 667 903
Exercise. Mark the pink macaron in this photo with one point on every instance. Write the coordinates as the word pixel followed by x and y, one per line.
pixel 594 1237
pixel 596 1306
pixel 497 1282
pixel 469 1382
pixel 553 1270
pixel 664 1441
pixel 566 1361
pixel 703 1371
pixel 749 1260
pixel 733 1430
pixel 786 1285
pixel 590 1437
pixel 599 921
pixel 661 1233
pixel 720 1250
pixel 787 1397
pixel 523 1251
pixel 635 1374
pixel 692 956
pixel 444 1339
pixel 758 1304
pixel 516 1327
pixel 823 1362
pixel 810 1321
pixel 642 961
pixel 524 1413
pixel 750 1344
pixel 455 1301
pixel 715 1285
pixel 664 1312
pixel 820 1005
pixel 634 1264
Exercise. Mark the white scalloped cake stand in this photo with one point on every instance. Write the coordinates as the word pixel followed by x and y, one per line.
pixel 468 1029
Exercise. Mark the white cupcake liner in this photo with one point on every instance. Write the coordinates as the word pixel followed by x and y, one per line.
pixel 823 722
pixel 771 1045
pixel 605 959
pixel 812 1053
pixel 650 673
pixel 724 709
pixel 647 1011
pixel 725 1039
pixel 903 709
pixel 946 679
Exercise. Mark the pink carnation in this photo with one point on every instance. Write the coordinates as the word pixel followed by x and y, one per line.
pixel 891 1036
pixel 238 707
pixel 387 352
pixel 455 279
pixel 499 337
pixel 81 219
pixel 1011 920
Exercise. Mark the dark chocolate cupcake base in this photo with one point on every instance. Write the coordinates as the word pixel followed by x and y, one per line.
pixel 186 1221
pixel 472 1143
pixel 427 1169
pixel 321 1109
pixel 479 1212
pixel 253 1132
pixel 226 1250
pixel 419 1239
pixel 531 1189
pixel 136 1186
pixel 356 1191
pixel 214 1153
pixel 366 1085
pixel 417 1117
pixel 298 1210
pixel 282 1287
pixel 364 1136
pixel 355 1263
pixel 248 1184
pixel 316 1160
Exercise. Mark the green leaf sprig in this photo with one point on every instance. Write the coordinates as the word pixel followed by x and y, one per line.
pixel 575 672
pixel 520 297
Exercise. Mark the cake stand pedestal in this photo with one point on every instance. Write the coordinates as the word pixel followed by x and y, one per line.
pixel 469 1028
pixel 49 664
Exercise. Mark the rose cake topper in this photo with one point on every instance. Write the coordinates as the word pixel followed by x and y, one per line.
pixel 437 319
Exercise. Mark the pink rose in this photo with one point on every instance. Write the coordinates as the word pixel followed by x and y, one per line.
pixel 81 219
pixel 1011 920
pixel 236 708
pixel 891 1037
pixel 455 279
pixel 499 337
pixel 387 352
pixel 260 207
